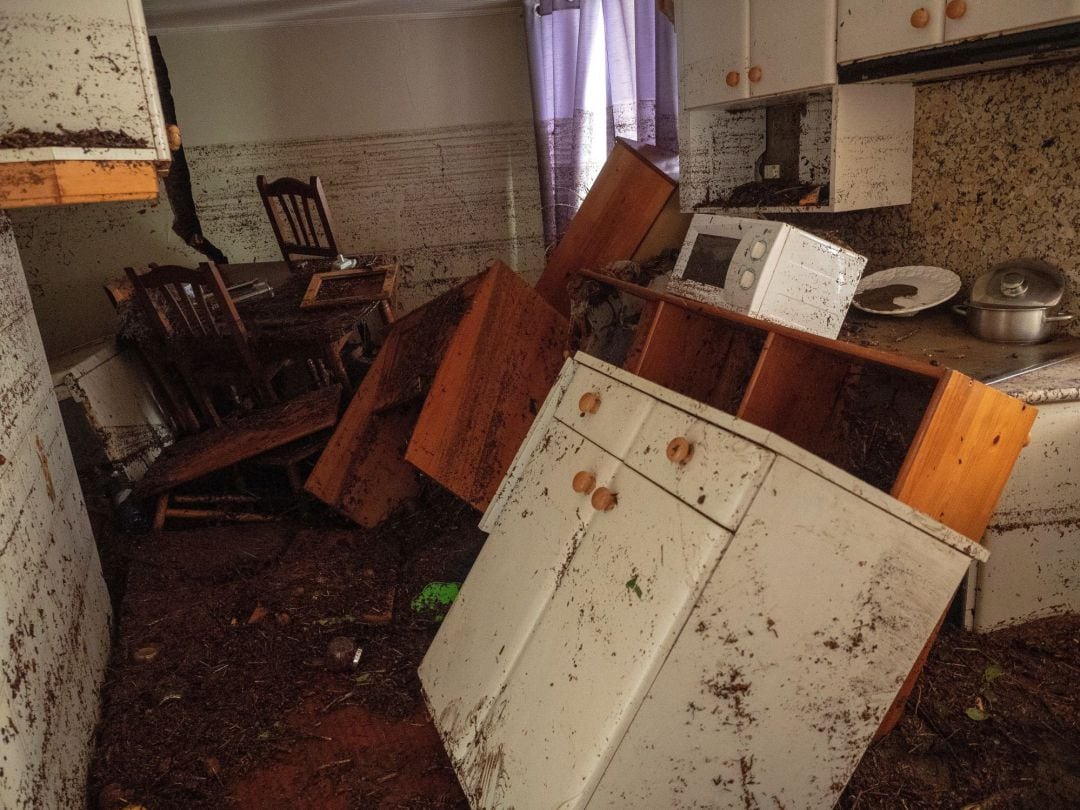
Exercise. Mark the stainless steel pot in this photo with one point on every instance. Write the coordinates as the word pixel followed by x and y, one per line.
pixel 1011 324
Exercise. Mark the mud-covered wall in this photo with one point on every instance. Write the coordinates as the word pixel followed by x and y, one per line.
pixel 420 127
pixel 996 175
pixel 54 611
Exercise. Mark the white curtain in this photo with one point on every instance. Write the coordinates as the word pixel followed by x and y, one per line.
pixel 600 69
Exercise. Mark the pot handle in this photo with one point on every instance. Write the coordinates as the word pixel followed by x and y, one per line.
pixel 962 311
pixel 1059 318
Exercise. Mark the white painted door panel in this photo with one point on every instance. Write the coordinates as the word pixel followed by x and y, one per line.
pixel 624 593
pixel 1034 536
pixel 867 28
pixel 791 657
pixel 511 582
pixel 993 16
pixel 793 42
pixel 720 477
pixel 713 40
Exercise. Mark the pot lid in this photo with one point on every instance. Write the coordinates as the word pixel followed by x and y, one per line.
pixel 1019 283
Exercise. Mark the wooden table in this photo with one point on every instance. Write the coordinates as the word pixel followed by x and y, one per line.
pixel 279 324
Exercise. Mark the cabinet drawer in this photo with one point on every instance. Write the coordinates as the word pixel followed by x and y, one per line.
pixel 618 413
pixel 711 469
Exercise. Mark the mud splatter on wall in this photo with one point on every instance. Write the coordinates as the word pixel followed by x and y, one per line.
pixel 420 128
pixel 54 611
pixel 996 175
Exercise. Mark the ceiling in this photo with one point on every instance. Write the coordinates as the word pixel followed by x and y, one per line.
pixel 165 15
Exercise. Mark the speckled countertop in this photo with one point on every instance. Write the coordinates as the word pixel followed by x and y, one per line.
pixel 1057 383
pixel 937 337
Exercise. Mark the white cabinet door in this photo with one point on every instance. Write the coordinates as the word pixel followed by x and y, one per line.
pixel 713 38
pixel 621 594
pixel 868 28
pixel 790 658
pixel 973 18
pixel 520 566
pixel 792 45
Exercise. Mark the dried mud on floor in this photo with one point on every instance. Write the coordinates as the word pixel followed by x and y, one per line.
pixel 239 713
pixel 235 713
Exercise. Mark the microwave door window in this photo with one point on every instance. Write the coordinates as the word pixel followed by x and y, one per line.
pixel 709 259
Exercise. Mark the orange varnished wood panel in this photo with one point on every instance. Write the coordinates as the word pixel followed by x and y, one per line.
pixel 794 390
pixel 964 453
pixel 497 370
pixel 697 356
pixel 614 219
pixel 60 182
pixel 362 473
pixel 453 390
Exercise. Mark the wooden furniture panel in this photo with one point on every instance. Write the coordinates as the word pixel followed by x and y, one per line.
pixel 969 440
pixel 502 361
pixel 362 473
pixel 62 182
pixel 794 390
pixel 453 390
pixel 614 219
pixel 696 356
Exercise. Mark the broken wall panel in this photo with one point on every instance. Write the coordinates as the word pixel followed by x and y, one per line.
pixel 54 611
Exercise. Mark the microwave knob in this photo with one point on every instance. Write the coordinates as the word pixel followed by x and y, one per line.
pixel 746 280
pixel 757 250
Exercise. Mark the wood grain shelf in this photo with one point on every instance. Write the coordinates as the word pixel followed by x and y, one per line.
pixel 63 182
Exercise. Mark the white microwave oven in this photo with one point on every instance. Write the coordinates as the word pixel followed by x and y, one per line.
pixel 768 270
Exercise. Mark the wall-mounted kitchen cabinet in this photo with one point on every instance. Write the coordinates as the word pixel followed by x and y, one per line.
pixel 875 29
pixel 763 125
pixel 731 50
pixel 850 145
pixel 80 119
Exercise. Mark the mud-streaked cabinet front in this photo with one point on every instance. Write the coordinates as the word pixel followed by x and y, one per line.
pixel 677 609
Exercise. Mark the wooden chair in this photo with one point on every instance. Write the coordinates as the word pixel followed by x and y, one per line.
pixel 197 322
pixel 299 216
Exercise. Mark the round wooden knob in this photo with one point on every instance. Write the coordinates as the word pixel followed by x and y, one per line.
pixel 679 450
pixel 589 402
pixel 920 18
pixel 604 500
pixel 584 482
pixel 956 9
pixel 732 78
pixel 754 74
pixel 172 135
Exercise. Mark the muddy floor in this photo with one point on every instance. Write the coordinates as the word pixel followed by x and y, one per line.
pixel 221 694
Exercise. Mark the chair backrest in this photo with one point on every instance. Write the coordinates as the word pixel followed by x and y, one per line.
pixel 299 216
pixel 182 302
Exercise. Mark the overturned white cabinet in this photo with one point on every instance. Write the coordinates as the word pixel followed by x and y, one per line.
pixel 675 608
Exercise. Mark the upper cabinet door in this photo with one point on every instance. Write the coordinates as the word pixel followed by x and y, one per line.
pixel 973 18
pixel 792 45
pixel 713 38
pixel 868 28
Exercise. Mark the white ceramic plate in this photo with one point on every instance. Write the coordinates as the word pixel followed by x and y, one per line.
pixel 933 286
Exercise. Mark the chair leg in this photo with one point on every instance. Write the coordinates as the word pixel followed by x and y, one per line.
pixel 332 358
pixel 161 507
pixel 387 312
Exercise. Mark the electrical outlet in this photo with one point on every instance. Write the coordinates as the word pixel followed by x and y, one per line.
pixel 772 171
